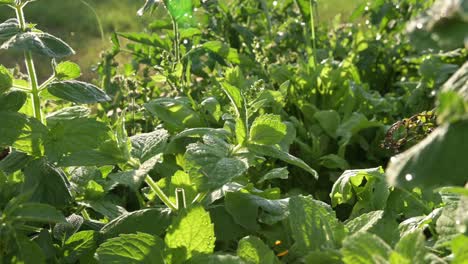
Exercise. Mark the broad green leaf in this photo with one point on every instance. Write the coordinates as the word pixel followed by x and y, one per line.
pixel 244 208
pixel 215 259
pixel 67 113
pixel 82 142
pixel 105 207
pixel 8 29
pixel 365 248
pixel 223 50
pixel 274 152
pixel 6 80
pixel 267 130
pixel 80 244
pixel 192 231
pixel 14 161
pixel 365 189
pixel 180 180
pixel 40 43
pixel 327 256
pixel 78 92
pixel 364 222
pixel 147 145
pixel 20 131
pixel 352 126
pixel 36 212
pixel 314 225
pixel 180 10
pixel 67 70
pixel 430 162
pixel 210 164
pixel 460 249
pixel 134 178
pixel 411 249
pixel 236 97
pixel 40 177
pixel 226 229
pixel 446 224
pixel 277 173
pixel 28 251
pixel 329 121
pixel 333 161
pixel 12 100
pixel 139 248
pixel 254 251
pixel 176 113
pixel 151 221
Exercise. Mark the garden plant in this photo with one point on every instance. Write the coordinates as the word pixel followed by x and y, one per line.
pixel 240 131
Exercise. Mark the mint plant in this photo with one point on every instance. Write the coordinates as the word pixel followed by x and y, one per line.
pixel 240 132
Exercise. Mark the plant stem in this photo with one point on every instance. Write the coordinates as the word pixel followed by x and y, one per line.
pixel 312 27
pixel 160 193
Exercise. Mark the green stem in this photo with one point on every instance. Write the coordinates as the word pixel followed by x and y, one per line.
pixel 101 29
pixel 312 26
pixel 160 193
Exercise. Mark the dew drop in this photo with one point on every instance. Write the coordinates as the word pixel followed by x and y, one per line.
pixel 419 25
pixel 408 177
pixel 275 3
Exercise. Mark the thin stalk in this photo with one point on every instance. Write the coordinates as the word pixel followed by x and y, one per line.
pixel 35 99
pixel 160 193
pixel 101 29
pixel 312 27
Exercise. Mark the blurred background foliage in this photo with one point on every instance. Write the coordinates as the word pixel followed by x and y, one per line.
pixel 76 22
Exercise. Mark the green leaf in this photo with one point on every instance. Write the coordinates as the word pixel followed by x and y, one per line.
pixel 132 249
pixel 223 50
pixel 8 29
pixel 78 92
pixel 80 244
pixel 327 256
pixel 277 173
pixel 19 130
pixel 352 126
pixel 365 189
pixel 14 161
pixel 12 100
pixel 274 152
pixel 364 222
pixel 67 70
pixel 82 142
pixel 314 225
pixel 267 130
pixel 254 251
pixel 176 113
pixel 215 259
pixel 329 121
pixel 365 248
pixel 6 80
pixel 458 82
pixel 147 39
pixel 36 212
pixel 210 164
pixel 244 208
pixel 192 231
pixel 40 177
pixel 411 249
pixel 105 207
pixel 200 132
pixel 147 145
pixel 28 252
pixel 236 97
pixel 67 113
pixel 40 43
pixel 151 221
pixel 430 163
pixel 134 178
pixel 460 249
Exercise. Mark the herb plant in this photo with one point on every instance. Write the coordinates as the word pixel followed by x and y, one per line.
pixel 241 131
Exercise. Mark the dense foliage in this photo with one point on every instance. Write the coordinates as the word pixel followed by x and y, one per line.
pixel 241 132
